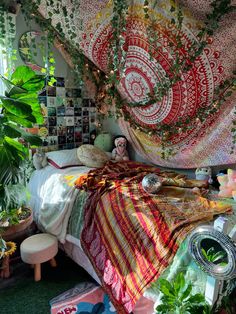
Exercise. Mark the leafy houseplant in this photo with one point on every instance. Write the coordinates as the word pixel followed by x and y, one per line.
pixel 19 109
pixel 215 257
pixel 177 298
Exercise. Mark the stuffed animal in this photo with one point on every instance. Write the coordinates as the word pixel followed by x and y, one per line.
pixel 227 183
pixel 204 173
pixel 40 160
pixel 120 153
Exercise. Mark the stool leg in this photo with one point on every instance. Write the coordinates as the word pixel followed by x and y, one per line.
pixel 53 262
pixel 37 272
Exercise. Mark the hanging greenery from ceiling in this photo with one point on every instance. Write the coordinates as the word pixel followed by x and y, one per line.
pixel 66 31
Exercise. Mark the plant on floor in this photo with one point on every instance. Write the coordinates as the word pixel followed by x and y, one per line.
pixel 177 298
pixel 20 109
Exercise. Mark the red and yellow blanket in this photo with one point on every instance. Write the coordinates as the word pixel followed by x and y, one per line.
pixel 129 236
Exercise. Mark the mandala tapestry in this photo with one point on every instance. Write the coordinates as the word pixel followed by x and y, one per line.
pixel 208 143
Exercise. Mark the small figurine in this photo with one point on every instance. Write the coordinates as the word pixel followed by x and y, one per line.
pixel 120 153
pixel 40 160
pixel 204 174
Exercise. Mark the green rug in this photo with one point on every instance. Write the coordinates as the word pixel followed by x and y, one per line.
pixel 20 294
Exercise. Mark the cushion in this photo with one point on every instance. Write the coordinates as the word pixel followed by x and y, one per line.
pixel 92 156
pixel 63 158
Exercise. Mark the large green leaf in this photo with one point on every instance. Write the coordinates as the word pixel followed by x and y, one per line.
pixel 11 132
pixel 21 75
pixel 15 145
pixel 28 137
pixel 15 107
pixel 166 288
pixel 36 83
pixel 179 282
pixel 21 121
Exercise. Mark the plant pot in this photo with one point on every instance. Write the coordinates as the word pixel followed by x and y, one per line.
pixel 13 231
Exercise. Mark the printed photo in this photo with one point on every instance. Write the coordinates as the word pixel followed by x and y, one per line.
pixel 51 101
pixel 78 111
pixel 85 128
pixel 52 140
pixel 70 138
pixel 52 121
pixel 60 82
pixel 61 140
pixel 42 100
pixel 85 112
pixel 61 91
pixel 78 102
pixel 69 92
pixel 61 121
pixel 61 130
pixel 78 121
pixel 85 138
pixel 70 121
pixel 51 111
pixel 70 130
pixel 61 111
pixel 60 101
pixel 70 102
pixel 85 102
pixel 69 111
pixel 51 91
pixel 52 131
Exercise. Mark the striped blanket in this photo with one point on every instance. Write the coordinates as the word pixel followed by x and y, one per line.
pixel 129 236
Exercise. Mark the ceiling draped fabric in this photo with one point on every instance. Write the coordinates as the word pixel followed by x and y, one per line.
pixel 209 143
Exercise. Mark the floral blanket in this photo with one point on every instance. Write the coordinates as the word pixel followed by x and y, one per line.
pixel 131 237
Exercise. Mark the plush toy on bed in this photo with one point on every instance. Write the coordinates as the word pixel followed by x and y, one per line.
pixel 40 160
pixel 120 153
pixel 204 174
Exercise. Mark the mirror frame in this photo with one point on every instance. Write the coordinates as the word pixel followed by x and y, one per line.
pixel 194 247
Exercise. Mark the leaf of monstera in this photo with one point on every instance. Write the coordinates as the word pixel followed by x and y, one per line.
pixel 15 107
pixel 21 75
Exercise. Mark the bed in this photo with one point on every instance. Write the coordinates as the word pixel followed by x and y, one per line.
pixel 124 237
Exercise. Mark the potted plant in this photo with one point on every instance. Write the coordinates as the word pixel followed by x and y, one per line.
pixel 19 110
pixel 177 298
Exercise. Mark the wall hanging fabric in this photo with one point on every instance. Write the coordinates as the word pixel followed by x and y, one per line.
pixel 208 143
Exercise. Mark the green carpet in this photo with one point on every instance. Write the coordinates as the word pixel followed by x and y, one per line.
pixel 20 294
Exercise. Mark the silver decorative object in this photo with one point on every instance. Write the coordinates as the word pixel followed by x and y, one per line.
pixel 151 183
pixel 195 246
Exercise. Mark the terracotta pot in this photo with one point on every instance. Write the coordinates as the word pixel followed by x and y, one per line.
pixel 11 232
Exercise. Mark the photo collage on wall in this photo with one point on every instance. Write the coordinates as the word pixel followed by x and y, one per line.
pixel 68 117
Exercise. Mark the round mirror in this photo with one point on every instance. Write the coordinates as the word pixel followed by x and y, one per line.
pixel 214 252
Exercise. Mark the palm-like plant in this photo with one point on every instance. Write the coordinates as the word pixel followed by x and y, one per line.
pixel 19 110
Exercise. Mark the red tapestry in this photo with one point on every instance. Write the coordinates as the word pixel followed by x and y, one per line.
pixel 208 143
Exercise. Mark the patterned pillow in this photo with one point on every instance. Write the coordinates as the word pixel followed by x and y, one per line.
pixel 63 158
pixel 92 156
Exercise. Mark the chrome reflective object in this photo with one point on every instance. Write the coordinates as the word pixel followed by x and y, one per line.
pixel 151 183
pixel 204 233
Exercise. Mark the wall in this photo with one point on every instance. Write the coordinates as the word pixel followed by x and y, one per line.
pixel 69 113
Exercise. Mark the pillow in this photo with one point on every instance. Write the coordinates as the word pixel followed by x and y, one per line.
pixel 92 156
pixel 63 158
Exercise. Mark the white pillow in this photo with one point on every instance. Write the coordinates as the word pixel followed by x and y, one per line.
pixel 92 156
pixel 63 158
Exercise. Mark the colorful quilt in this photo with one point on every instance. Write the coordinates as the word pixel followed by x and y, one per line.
pixel 131 237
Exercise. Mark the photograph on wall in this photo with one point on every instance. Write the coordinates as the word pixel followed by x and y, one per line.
pixel 78 121
pixel 52 130
pixel 61 130
pixel 61 140
pixel 51 101
pixel 51 111
pixel 61 121
pixel 78 102
pixel 52 140
pixel 77 111
pixel 51 91
pixel 69 111
pixel 60 101
pixel 61 111
pixel 61 91
pixel 70 121
pixel 70 102
pixel 60 82
pixel 52 121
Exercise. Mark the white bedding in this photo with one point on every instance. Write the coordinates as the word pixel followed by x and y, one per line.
pixel 52 198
